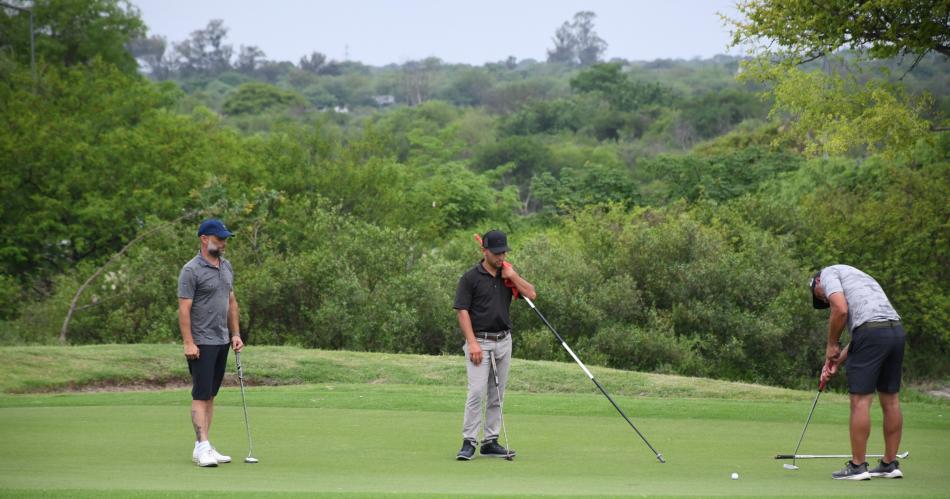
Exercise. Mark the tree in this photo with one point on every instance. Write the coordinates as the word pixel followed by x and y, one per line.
pixel 840 112
pixel 249 58
pixel 252 98
pixel 71 32
pixel 565 45
pixel 416 79
pixel 205 52
pixel 612 84
pixel 150 52
pixel 882 28
pixel 589 46
pixel 576 42
pixel 313 62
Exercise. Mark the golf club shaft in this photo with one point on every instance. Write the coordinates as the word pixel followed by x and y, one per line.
pixel 501 404
pixel 812 411
pixel 902 455
pixel 659 456
pixel 247 424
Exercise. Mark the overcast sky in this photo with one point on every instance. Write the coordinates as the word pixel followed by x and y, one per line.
pixel 379 32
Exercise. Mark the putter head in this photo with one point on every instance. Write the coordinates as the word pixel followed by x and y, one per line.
pixel 790 466
pixel 251 460
pixel 509 458
pixel 659 458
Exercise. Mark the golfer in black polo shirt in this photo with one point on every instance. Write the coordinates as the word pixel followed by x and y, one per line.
pixel 482 300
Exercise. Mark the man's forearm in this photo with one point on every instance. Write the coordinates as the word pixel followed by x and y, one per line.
pixel 233 322
pixel 524 287
pixel 836 325
pixel 465 323
pixel 184 324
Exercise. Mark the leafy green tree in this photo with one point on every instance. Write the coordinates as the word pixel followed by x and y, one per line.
pixel 514 161
pixel 809 30
pixel 92 155
pixel 254 97
pixel 71 32
pixel 610 83
pixel 205 51
pixel 468 87
pixel 838 113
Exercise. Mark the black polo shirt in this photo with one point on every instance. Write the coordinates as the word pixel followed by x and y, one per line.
pixel 486 298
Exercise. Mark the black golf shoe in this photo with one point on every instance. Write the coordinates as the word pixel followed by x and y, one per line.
pixel 852 471
pixel 887 470
pixel 491 448
pixel 467 452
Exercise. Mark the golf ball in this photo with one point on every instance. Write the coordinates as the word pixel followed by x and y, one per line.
pixel 735 476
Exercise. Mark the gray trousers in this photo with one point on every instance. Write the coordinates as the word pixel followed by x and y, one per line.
pixel 482 383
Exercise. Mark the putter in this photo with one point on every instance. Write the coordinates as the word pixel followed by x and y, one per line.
pixel 501 405
pixel 821 387
pixel 249 459
pixel 901 455
pixel 659 456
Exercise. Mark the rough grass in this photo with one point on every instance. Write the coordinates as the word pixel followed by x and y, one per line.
pixel 44 369
pixel 52 368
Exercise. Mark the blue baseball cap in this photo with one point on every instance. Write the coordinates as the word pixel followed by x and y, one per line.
pixel 214 227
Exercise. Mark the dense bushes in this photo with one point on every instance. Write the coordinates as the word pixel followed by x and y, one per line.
pixel 352 232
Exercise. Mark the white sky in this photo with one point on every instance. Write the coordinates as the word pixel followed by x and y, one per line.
pixel 379 32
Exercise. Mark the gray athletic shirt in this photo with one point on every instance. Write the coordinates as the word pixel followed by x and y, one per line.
pixel 866 299
pixel 210 288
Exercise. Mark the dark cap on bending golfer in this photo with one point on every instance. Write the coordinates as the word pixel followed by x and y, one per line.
pixel 815 301
pixel 495 241
pixel 214 227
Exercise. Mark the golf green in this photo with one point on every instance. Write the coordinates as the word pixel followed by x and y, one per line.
pixel 369 440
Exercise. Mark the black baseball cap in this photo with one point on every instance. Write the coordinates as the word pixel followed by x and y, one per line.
pixel 495 241
pixel 815 301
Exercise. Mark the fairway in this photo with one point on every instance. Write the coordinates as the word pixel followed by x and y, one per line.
pixel 367 440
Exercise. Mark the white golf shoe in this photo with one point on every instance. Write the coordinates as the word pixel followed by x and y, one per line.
pixel 206 458
pixel 220 458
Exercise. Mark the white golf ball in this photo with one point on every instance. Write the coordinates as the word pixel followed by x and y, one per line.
pixel 735 476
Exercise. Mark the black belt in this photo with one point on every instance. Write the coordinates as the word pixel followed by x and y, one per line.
pixel 878 325
pixel 493 335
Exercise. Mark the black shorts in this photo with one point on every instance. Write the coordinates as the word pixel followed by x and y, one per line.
pixel 876 358
pixel 207 370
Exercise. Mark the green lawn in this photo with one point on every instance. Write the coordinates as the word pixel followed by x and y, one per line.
pixel 369 439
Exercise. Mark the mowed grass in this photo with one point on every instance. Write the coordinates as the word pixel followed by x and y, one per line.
pixel 372 438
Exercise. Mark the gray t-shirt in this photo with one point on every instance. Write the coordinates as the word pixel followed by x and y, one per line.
pixel 210 288
pixel 866 299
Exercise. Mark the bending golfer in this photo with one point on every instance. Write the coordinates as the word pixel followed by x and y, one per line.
pixel 482 302
pixel 874 359
pixel 208 319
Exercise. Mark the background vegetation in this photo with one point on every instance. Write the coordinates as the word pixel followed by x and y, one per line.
pixel 668 212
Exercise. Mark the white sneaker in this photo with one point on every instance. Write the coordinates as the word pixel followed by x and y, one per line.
pixel 221 458
pixel 206 458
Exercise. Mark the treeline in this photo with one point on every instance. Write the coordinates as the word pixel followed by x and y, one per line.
pixel 668 224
